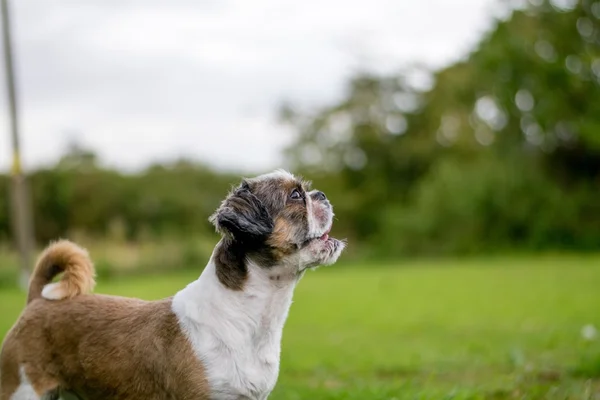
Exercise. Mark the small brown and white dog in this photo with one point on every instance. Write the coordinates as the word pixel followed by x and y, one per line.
pixel 218 338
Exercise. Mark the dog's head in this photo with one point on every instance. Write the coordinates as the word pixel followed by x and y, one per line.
pixel 276 219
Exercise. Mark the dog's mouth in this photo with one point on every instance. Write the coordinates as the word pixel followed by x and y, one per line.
pixel 324 237
pixel 324 249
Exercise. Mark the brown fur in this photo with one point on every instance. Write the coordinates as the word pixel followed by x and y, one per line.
pixel 64 257
pixel 280 239
pixel 230 265
pixel 101 347
pixel 9 371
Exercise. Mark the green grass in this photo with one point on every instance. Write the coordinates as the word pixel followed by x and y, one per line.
pixel 480 329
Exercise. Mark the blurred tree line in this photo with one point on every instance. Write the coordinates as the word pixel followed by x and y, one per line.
pixel 499 151
pixel 78 197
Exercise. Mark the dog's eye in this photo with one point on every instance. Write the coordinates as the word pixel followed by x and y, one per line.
pixel 295 195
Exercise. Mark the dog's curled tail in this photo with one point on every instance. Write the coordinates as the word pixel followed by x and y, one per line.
pixel 69 259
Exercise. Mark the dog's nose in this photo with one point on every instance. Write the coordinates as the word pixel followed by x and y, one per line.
pixel 320 196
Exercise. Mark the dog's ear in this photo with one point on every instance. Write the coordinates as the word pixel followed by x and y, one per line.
pixel 243 216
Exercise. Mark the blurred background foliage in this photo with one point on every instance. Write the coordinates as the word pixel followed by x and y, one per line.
pixel 495 155
pixel 499 151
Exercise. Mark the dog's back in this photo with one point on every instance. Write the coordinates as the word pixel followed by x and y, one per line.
pixel 67 339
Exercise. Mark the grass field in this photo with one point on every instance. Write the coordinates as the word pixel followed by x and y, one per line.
pixel 478 329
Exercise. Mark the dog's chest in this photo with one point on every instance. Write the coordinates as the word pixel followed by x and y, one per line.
pixel 240 354
pixel 237 336
pixel 247 370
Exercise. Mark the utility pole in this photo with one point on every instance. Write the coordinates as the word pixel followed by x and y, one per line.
pixel 21 206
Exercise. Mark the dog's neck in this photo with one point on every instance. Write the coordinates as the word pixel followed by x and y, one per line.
pixel 238 332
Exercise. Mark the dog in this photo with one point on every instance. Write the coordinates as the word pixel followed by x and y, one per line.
pixel 218 338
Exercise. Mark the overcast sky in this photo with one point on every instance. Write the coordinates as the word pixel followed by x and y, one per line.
pixel 142 81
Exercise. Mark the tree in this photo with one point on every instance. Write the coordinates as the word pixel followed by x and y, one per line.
pixel 527 97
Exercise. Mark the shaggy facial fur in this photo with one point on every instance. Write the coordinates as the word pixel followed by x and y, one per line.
pixel 274 219
pixel 218 338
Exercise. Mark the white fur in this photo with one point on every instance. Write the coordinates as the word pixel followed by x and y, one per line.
pixel 317 226
pixel 25 390
pixel 54 291
pixel 313 223
pixel 279 173
pixel 237 334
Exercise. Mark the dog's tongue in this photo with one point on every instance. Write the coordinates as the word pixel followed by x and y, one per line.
pixel 325 235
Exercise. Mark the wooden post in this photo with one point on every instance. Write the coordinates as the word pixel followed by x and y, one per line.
pixel 21 207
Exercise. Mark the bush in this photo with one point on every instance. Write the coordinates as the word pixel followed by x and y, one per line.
pixel 489 204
